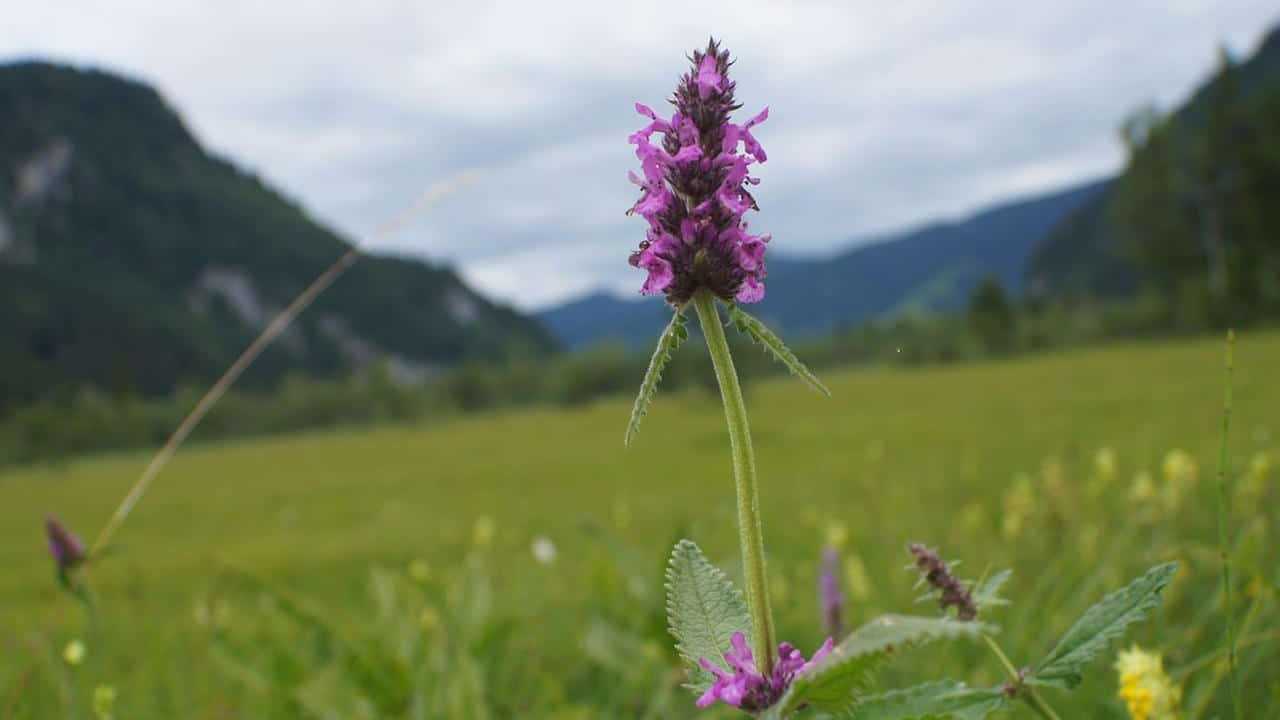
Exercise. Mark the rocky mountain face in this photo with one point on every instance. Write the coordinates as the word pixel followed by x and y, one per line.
pixel 133 260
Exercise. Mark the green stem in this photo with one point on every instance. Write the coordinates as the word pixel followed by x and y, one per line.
pixel 1038 704
pixel 1026 692
pixel 1004 659
pixel 1223 545
pixel 750 535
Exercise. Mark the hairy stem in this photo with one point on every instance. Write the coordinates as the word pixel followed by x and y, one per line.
pixel 1223 544
pixel 750 535
pixel 1038 704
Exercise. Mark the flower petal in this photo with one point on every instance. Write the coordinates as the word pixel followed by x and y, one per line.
pixel 708 77
pixel 751 290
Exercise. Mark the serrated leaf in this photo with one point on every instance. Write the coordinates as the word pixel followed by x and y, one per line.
pixel 942 700
pixel 1100 624
pixel 762 335
pixel 848 673
pixel 704 610
pixel 986 594
pixel 671 339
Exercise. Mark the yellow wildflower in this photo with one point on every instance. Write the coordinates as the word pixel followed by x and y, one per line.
pixel 1104 471
pixel 1019 502
pixel 429 619
pixel 856 577
pixel 1144 488
pixel 482 533
pixel 1253 486
pixel 74 653
pixel 1053 476
pixel 1104 464
pixel 104 702
pixel 1180 467
pixel 419 571
pixel 1180 474
pixel 837 535
pixel 1260 465
pixel 1148 693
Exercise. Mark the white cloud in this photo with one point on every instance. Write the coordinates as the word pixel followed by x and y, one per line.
pixel 882 114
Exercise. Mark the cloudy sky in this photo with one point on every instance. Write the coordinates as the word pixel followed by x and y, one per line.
pixel 881 114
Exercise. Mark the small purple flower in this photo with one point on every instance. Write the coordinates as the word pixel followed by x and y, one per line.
pixel 66 548
pixel 709 78
pixel 748 140
pixel 951 591
pixel 745 687
pixel 829 592
pixel 694 188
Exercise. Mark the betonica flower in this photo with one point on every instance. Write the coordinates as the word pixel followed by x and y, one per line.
pixel 830 596
pixel 693 190
pixel 66 548
pixel 695 168
pixel 951 591
pixel 745 687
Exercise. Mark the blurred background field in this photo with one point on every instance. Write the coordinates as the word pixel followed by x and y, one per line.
pixel 392 571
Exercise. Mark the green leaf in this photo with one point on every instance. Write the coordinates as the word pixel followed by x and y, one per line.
pixel 942 700
pixel 763 336
pixel 986 594
pixel 848 673
pixel 704 610
pixel 671 338
pixel 1101 624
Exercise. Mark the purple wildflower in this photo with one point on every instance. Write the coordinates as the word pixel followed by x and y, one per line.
pixel 829 592
pixel 693 190
pixel 745 687
pixel 66 548
pixel 951 591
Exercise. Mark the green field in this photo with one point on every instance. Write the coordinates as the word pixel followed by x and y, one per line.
pixel 207 606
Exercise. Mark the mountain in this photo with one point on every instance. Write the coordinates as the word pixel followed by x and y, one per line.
pixel 1084 255
pixel 604 317
pixel 134 260
pixel 933 267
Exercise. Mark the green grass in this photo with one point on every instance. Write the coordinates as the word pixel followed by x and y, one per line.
pixel 895 456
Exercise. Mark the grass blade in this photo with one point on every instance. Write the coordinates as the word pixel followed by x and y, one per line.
pixel 1223 462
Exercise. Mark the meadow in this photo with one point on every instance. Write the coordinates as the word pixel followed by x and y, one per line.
pixel 391 572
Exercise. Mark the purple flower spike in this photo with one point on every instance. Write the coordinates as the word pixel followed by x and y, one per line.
pixel 744 687
pixel 694 187
pixel 66 548
pixel 952 593
pixel 829 592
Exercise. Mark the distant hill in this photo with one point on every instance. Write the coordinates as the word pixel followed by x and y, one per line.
pixel 933 267
pixel 1083 254
pixel 132 259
